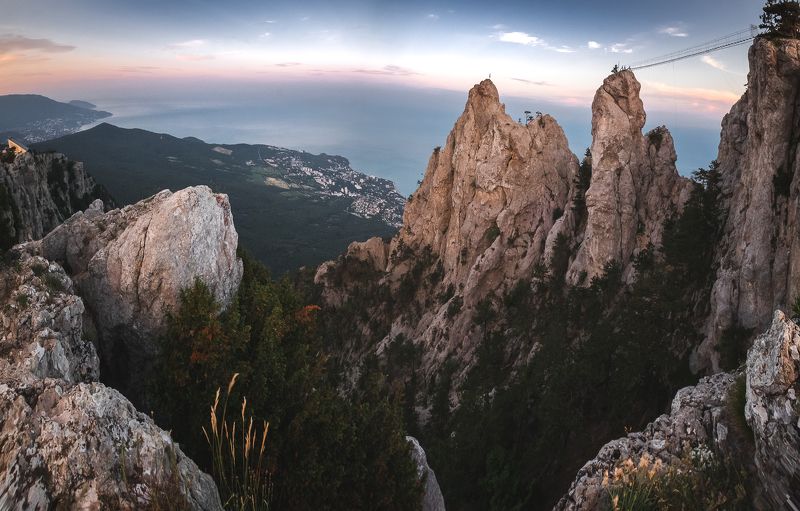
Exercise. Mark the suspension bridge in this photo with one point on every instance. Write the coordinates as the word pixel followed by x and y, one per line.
pixel 734 39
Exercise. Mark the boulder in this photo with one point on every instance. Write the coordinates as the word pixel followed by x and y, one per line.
pixel 129 265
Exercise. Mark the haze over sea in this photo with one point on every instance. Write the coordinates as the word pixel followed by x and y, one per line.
pixel 387 131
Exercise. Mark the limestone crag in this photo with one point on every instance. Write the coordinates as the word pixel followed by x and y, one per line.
pixel 38 192
pixel 497 200
pixel 66 440
pixel 129 265
pixel 635 185
pixel 759 257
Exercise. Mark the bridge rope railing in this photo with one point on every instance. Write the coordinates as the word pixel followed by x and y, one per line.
pixel 737 38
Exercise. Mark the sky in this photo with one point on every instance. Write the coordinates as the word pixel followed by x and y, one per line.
pixel 542 55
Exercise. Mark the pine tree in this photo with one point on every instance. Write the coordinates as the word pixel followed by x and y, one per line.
pixel 781 18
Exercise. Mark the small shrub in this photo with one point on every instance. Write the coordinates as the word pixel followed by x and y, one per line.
pixel 737 399
pixel 782 182
pixel 455 306
pixel 796 307
pixel 54 283
pixel 39 269
pixel 492 233
pixel 157 490
pixel 732 347
pixel 23 300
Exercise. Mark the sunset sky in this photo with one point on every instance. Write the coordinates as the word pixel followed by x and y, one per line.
pixel 557 51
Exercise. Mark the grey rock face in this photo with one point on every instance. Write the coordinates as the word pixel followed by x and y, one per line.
pixel 40 192
pixel 129 265
pixel 432 500
pixel 66 440
pixel 773 410
pixel 759 260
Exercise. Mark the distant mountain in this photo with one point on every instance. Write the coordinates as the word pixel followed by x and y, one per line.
pixel 292 208
pixel 83 104
pixel 39 118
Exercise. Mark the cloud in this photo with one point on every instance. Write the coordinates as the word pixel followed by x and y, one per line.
pixel 14 42
pixel 711 61
pixel 526 39
pixel 194 57
pixel 265 34
pixel 531 82
pixel 138 69
pixel 499 26
pixel 193 43
pixel 269 21
pixel 594 45
pixel 719 100
pixel 288 64
pixel 520 38
pixel 620 48
pixel 389 70
pixel 433 17
pixel 674 31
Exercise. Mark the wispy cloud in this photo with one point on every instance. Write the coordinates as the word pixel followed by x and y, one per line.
pixel 520 38
pixel 192 43
pixel 269 21
pixel 674 31
pixel 499 26
pixel 265 35
pixel 620 48
pixel 532 82
pixel 711 100
pixel 389 70
pixel 711 61
pixel 13 42
pixel 194 57
pixel 288 64
pixel 138 69
pixel 526 39
pixel 594 45
pixel 432 17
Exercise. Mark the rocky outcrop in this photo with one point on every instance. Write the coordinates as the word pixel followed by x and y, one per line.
pixel 129 265
pixel 67 441
pixel 773 410
pixel 432 499
pixel 704 415
pixel 759 257
pixel 635 185
pixel 698 417
pixel 40 191
pixel 497 202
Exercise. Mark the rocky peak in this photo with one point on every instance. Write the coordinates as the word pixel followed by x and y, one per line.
pixel 759 257
pixel 635 185
pixel 129 265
